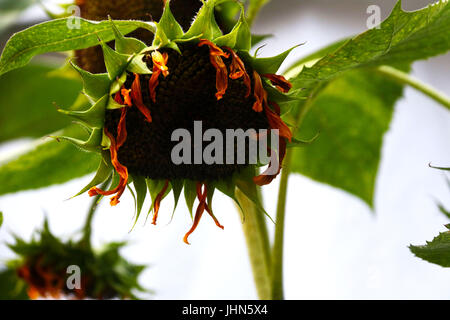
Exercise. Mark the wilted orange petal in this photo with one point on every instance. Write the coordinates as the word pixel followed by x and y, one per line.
pixel 202 206
pixel 126 95
pixel 158 201
pixel 275 122
pixel 260 94
pixel 237 70
pixel 215 56
pixel 264 178
pixel 279 82
pixel 120 169
pixel 136 95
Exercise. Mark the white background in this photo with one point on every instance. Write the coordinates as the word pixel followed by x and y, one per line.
pixel 336 247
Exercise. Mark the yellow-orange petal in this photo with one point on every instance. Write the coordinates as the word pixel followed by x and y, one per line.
pixel 160 62
pixel 126 96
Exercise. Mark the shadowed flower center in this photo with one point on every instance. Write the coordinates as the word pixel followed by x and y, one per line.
pixel 205 84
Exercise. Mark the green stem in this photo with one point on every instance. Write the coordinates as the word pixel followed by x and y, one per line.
pixel 255 231
pixel 277 249
pixel 87 229
pixel 404 78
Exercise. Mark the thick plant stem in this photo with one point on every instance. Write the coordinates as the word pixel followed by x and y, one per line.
pixel 405 78
pixel 277 249
pixel 255 231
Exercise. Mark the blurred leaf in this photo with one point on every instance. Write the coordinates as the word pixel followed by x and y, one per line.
pixel 352 114
pixel 444 211
pixel 10 10
pixel 10 287
pixel 253 9
pixel 49 163
pixel 403 37
pixel 354 110
pixel 1 218
pixel 26 102
pixel 56 35
pixel 436 251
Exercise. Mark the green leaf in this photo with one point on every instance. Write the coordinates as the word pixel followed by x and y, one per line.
pixel 444 210
pixel 436 251
pixel 10 11
pixel 254 7
pixel 403 37
pixel 26 102
pixel 354 110
pixel 49 163
pixel 56 36
pixel 352 114
pixel 1 218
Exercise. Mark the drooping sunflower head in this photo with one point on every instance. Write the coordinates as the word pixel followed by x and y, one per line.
pixel 51 268
pixel 152 106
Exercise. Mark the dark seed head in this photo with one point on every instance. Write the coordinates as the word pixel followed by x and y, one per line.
pixel 186 95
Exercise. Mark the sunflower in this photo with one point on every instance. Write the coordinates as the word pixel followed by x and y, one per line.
pixel 148 92
pixel 46 265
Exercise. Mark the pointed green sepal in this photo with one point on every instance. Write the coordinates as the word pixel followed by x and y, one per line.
pixel 115 62
pixel 169 25
pixel 95 85
pixel 124 45
pixel 239 38
pixel 94 117
pixel 205 24
pixel 177 187
pixel 93 144
pixel 244 181
pixel 141 192
pixel 270 65
pixel 118 83
pixel 190 194
pixel 137 65
pixel 104 171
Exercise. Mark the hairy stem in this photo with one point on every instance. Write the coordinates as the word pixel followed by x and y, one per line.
pixel 405 78
pixel 255 231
